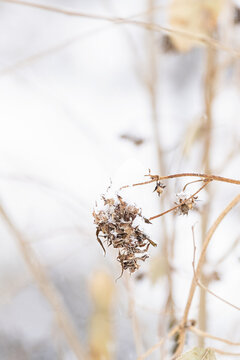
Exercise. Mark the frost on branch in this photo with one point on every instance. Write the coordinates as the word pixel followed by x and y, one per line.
pixel 119 224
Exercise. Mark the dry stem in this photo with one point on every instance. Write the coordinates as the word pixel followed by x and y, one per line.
pixel 173 176
pixel 210 233
pixel 209 92
pixel 225 352
pixel 197 38
pixel 207 335
pixel 205 289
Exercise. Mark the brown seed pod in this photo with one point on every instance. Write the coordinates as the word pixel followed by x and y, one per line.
pixel 185 203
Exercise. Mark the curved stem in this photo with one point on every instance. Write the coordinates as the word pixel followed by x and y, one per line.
pixel 173 176
pixel 207 335
pixel 205 176
pixel 191 182
pixel 199 267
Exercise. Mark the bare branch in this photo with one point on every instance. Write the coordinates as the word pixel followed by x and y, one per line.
pixel 197 38
pixel 207 335
pixel 210 233
pixel 225 352
pixel 173 176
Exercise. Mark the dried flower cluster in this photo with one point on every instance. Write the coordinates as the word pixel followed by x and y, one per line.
pixel 118 224
pixel 185 203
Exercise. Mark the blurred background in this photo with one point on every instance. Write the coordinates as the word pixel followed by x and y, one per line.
pixel 95 93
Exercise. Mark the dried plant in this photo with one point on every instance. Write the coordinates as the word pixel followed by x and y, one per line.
pixel 119 224
pixel 185 202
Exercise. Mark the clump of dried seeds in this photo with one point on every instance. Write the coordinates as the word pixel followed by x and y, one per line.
pixel 118 224
pixel 185 203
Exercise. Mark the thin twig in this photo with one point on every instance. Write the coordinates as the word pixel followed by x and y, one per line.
pixel 191 182
pixel 199 283
pixel 210 233
pixel 173 176
pixel 215 295
pixel 53 49
pixel 197 38
pixel 225 352
pixel 209 93
pixel 207 335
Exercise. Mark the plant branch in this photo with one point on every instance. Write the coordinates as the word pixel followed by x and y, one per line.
pixel 225 352
pixel 215 295
pixel 173 176
pixel 196 37
pixel 210 233
pixel 207 335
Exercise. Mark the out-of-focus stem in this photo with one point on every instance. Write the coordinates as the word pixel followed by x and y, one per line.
pixel 198 271
pixel 132 313
pixel 153 91
pixel 152 85
pixel 209 86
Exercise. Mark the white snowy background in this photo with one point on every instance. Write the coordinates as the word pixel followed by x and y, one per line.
pixel 62 114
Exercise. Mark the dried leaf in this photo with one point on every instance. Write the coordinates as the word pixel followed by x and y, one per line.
pixel 193 16
pixel 198 354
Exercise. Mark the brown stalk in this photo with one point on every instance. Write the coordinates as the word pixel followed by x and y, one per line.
pixel 46 287
pixel 207 335
pixel 209 93
pixel 173 176
pixel 152 87
pixel 203 287
pixel 208 238
pixel 225 352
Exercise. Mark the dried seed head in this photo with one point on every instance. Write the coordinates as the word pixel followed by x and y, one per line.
pixel 118 223
pixel 185 203
pixel 159 188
